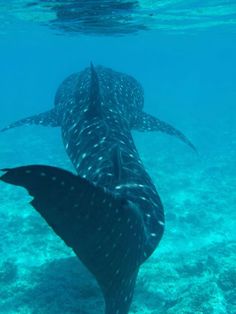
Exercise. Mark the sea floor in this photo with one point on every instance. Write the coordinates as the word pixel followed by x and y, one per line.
pixel 193 269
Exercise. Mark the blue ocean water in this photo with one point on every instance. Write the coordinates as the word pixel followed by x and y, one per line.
pixel 189 80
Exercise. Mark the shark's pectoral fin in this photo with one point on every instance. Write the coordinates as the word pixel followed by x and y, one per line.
pixel 146 122
pixel 105 231
pixel 48 118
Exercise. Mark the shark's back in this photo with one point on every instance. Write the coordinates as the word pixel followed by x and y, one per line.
pixel 119 92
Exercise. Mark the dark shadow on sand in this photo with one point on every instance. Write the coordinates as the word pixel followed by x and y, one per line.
pixel 62 286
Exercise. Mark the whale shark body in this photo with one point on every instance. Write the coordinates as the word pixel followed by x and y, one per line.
pixel 110 213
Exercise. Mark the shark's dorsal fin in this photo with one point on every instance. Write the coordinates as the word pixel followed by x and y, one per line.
pixel 146 122
pixel 101 228
pixel 95 103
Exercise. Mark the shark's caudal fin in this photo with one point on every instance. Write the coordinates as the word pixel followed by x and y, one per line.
pixel 101 228
pixel 48 118
pixel 146 122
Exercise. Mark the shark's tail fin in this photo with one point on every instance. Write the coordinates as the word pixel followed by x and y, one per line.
pixel 104 230
pixel 146 122
pixel 48 118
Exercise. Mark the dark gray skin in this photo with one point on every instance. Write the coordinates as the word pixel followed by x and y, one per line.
pixel 110 214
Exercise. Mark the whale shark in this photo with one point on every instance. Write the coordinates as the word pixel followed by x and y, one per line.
pixel 109 212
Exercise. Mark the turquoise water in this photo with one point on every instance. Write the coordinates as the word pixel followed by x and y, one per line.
pixel 183 54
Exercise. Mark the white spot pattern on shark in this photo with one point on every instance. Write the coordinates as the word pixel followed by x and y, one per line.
pixel 110 213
